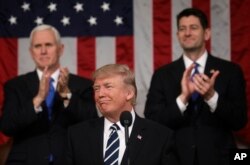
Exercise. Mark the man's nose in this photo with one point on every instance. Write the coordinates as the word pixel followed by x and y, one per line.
pixel 43 50
pixel 187 32
pixel 99 93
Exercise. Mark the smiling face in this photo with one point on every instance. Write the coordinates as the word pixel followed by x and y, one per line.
pixel 112 96
pixel 191 34
pixel 45 49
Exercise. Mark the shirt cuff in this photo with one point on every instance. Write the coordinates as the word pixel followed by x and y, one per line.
pixel 38 109
pixel 181 105
pixel 67 99
pixel 67 96
pixel 212 103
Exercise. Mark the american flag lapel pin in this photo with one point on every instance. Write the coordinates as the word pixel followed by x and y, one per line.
pixel 139 137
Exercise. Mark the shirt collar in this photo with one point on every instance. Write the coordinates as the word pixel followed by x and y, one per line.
pixel 54 75
pixel 108 124
pixel 201 61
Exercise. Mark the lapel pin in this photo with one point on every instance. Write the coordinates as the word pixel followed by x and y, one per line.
pixel 139 137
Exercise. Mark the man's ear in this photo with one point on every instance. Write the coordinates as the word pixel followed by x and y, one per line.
pixel 61 50
pixel 130 93
pixel 207 34
pixel 31 54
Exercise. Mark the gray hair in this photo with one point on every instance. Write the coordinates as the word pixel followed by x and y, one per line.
pixel 118 69
pixel 46 27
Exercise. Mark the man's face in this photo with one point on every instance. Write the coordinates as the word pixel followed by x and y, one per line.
pixel 112 96
pixel 191 35
pixel 45 50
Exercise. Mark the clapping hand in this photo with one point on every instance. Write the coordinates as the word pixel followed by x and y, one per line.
pixel 62 86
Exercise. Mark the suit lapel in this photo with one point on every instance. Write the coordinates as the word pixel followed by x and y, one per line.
pixel 178 69
pixel 210 64
pixel 32 82
pixel 136 140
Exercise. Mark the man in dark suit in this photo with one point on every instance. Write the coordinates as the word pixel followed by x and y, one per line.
pixel 115 92
pixel 202 102
pixel 38 127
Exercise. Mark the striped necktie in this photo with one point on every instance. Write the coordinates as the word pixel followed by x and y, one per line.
pixel 112 148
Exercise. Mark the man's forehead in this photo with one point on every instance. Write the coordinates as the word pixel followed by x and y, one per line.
pixel 107 79
pixel 189 19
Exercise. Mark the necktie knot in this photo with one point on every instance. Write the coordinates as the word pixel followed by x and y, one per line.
pixel 114 127
pixel 51 80
pixel 196 71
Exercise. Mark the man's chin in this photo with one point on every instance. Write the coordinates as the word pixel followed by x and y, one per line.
pixel 190 49
pixel 43 66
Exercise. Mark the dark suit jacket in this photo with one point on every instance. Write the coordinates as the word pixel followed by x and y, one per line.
pixel 150 143
pixel 208 134
pixel 35 137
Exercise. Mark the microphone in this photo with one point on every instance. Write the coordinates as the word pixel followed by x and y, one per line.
pixel 126 121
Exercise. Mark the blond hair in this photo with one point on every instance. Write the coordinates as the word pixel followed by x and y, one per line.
pixel 118 69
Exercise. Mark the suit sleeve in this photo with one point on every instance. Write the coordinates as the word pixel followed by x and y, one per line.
pixel 231 106
pixel 68 153
pixel 82 105
pixel 161 103
pixel 18 110
pixel 169 155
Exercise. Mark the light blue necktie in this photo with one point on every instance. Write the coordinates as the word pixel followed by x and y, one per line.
pixel 50 98
pixel 112 149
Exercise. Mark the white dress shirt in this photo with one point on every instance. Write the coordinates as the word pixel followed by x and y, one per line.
pixel 121 134
pixel 212 102
pixel 55 76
